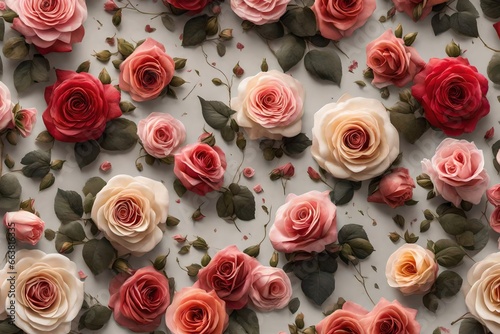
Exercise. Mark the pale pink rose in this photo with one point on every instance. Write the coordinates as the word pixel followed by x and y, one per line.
pixel 269 104
pixel 271 288
pixel 259 12
pixel 248 172
pixel 407 6
pixel 493 195
pixel 394 189
pixel 457 171
pixel 345 320
pixel 195 310
pixel 6 115
pixel 412 269
pixel 229 275
pixel 391 61
pixel 495 219
pixel 105 166
pixel 161 134
pixel 147 71
pixel 339 18
pixel 258 188
pixel 391 318
pixel 52 26
pixel 307 222
pixel 27 227
pixel 25 120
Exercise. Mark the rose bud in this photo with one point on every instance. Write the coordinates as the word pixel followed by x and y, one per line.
pixel 313 174
pixel 258 189
pixel 105 166
pixel 490 133
pixel 248 172
pixel 110 6
pixel 394 189
pixel 179 238
pixel 28 227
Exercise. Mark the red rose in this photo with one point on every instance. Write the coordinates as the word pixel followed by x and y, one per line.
pixel 394 189
pixel 196 5
pixel 78 107
pixel 452 94
pixel 496 26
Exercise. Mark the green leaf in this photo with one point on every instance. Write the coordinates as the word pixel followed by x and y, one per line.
pixel 467 7
pixel 86 152
pixel 448 284
pixel 481 239
pixel 40 68
pixel 244 204
pixel 491 8
pixel 93 185
pixel 301 21
pixel 36 164
pixel 464 23
pixel 471 326
pixel 95 317
pixel 8 328
pixel 296 145
pixel 215 113
pixel 243 321
pixel 98 254
pixel 431 302
pixel 290 52
pixel 361 247
pixel 318 286
pixel 195 31
pixel 270 31
pixel 225 205
pixel 120 134
pixel 179 188
pixel 342 192
pixel 2 29
pixel 68 206
pixel 466 239
pixel 168 22
pixel 425 225
pixel 319 41
pixel 73 230
pixel 493 71
pixel 47 181
pixel 327 262
pixel 293 305
pixel 399 220
pixel 10 192
pixel 22 76
pixel 450 257
pixel 350 232
pixel 409 126
pixel 61 239
pixel 440 23
pixel 325 65
pixel 453 224
pixel 227 133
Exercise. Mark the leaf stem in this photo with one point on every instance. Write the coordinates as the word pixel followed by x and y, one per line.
pixel 265 226
pixel 486 45
pixel 361 280
pixel 228 83
pixel 460 319
pixel 140 11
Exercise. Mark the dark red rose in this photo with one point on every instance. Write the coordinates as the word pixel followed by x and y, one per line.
pixel 195 6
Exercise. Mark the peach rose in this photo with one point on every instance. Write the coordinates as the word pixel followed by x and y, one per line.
pixel 48 292
pixel 6 115
pixel 27 227
pixel 271 288
pixel 457 171
pixel 494 220
pixel 132 213
pixel 354 139
pixel 408 6
pixel 52 26
pixel 161 134
pixel 259 12
pixel 345 320
pixel 196 311
pixel 147 71
pixel 391 61
pixel 394 189
pixel 337 19
pixel 269 104
pixel 391 318
pixel 307 222
pixel 25 120
pixel 412 269
pixel 481 291
pixel 493 195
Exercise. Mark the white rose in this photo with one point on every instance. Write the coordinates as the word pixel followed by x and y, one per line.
pixel 48 292
pixel 354 139
pixel 269 104
pixel 132 212
pixel 6 115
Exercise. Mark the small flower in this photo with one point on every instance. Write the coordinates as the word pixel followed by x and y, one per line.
pixel 313 174
pixel 248 172
pixel 258 189
pixel 82 274
pixel 3 6
pixel 105 166
pixel 285 172
pixel 179 238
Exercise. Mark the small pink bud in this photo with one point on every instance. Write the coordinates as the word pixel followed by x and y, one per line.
pixel 240 46
pixel 216 10
pixel 238 70
pixel 248 172
pixel 179 238
pixel 110 6
pixel 313 174
pixel 3 6
pixel 82 274
pixel 288 170
pixel 258 189
pixel 197 215
pixel 490 133
pixel 105 166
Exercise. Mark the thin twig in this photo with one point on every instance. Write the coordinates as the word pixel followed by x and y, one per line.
pixel 361 280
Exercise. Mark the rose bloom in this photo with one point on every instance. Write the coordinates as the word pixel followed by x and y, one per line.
pixel 354 139
pixel 196 311
pixel 495 220
pixel 248 172
pixel 457 171
pixel 259 12
pixel 78 107
pixel 407 6
pixel 25 120
pixel 49 293
pixel 412 269
pixel 52 26
pixel 452 94
pixel 271 288
pixel 493 195
pixel 481 291
pixel 345 320
pixel 6 115
pixel 229 275
pixel 194 6
pixel 28 227
pixel 161 134
pixel 394 189
pixel 392 62
pixel 132 213
pixel 200 168
pixel 307 222
pixel 147 71
pixel 337 19
pixel 139 301
pixel 269 104
pixel 391 318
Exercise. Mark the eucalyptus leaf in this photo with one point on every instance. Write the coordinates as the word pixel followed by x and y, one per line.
pixel 168 22
pixel 243 321
pixel 36 164
pixel 493 71
pixel 318 286
pixel 450 257
pixel 98 254
pixel 93 185
pixel 301 21
pixel 68 206
pixel 431 302
pixel 244 204
pixel 491 8
pixel 270 31
pixel 291 51
pixel 448 284
pixel 10 192
pixel 195 31
pixel 95 317
pixel 120 135
pixel 325 65
pixel 467 7
pixel 453 224
pixel 215 113
pixel 440 23
pixel 471 326
pixel 464 23
pixel 22 76
pixel 296 145
pixel 73 230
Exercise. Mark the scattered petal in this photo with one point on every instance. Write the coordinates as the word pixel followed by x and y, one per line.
pixel 258 188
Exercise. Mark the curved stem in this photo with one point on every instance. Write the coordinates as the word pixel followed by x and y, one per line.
pixel 265 226
pixel 361 280
pixel 140 11
pixel 228 83
pixel 1 156
pixel 460 319
pixel 486 45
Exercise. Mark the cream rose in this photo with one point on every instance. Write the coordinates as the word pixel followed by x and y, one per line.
pixel 271 288
pixel 269 104
pixel 354 139
pixel 6 115
pixel 132 212
pixel 412 269
pixel 48 292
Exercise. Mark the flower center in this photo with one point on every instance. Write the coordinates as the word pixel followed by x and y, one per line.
pixel 41 293
pixel 356 139
pixel 128 212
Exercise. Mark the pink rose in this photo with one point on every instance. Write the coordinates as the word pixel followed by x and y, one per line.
pixel 161 134
pixel 339 18
pixel 248 172
pixel 52 26
pixel 200 168
pixel 139 301
pixel 196 311
pixel 285 171
pixel 391 318
pixel 408 6
pixel 147 71
pixel 258 188
pixel 259 12
pixel 493 195
pixel 346 320
pixel 25 120
pixel 391 61
pixel 307 222
pixel 105 166
pixel 394 189
pixel 495 220
pixel 457 171
pixel 229 274
pixel 271 288
pixel 6 115
pixel 192 5
pixel 26 226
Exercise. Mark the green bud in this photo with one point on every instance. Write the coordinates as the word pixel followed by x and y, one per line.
pixel 12 137
pixel 104 77
pixel 394 236
pixel 184 249
pixel 103 55
pixel 212 25
pixel 66 248
pixel 382 19
pixel 126 107
pixel 417 11
pixel 368 73
pixel 57 164
pixel 453 49
pixel 125 48
pixel 360 83
pixel 217 81
pixel 293 329
pixel 172 221
pixel 160 262
pixel 46 181
pixel 428 214
pixel 117 18
pixel 405 95
pixel 44 137
pixel 247 25
pixel 384 93
pixel 209 140
pixel 398 32
pixel 263 66
pixel 200 244
pixel 273 262
pixel 180 63
pixel 238 70
pixel 121 265
pixel 83 67
pixel 241 142
pixel 425 182
pixel 177 81
pixel 299 320
pixel 269 153
pixel 49 234
pixel 431 194
pixel 150 160
pixel 9 15
pixel 193 269
pixel 139 166
pixel 28 205
pixel 410 38
pixel 253 251
pixel 309 330
pixel 9 162
pixel 197 215
pixel 16 48
pixel 117 63
pixel 226 34
pixel 205 260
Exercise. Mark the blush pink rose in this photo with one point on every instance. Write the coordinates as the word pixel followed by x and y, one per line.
pixel 391 61
pixel 391 318
pixel 394 189
pixel 493 195
pixel 337 19
pixel 307 222
pixel 139 301
pixel 495 220
pixel 52 26
pixel 271 288
pixel 147 71
pixel 6 115
pixel 200 168
pixel 457 171
pixel 25 120
pixel 229 275
pixel 161 134
pixel 197 311
pixel 259 12
pixel 408 6
pixel 27 227
pixel 345 320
